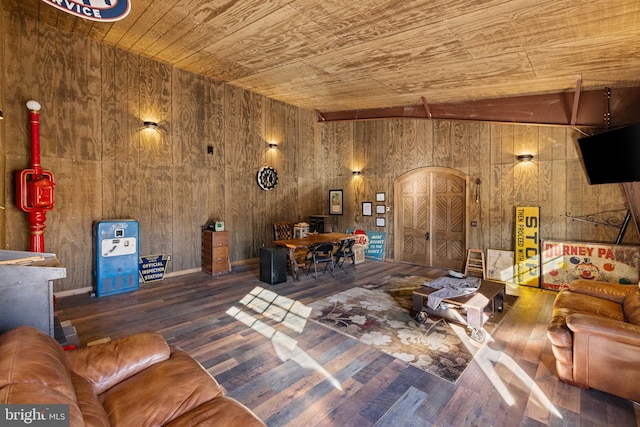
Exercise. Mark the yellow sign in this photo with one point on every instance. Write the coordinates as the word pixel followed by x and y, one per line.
pixel 527 253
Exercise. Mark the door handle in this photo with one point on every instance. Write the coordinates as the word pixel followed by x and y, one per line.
pixel 426 236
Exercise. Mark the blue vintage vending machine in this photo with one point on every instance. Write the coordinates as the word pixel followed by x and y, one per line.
pixel 117 249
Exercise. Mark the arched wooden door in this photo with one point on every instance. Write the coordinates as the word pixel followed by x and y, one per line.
pixel 431 217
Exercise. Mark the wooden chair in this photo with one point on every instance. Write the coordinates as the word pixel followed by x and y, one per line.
pixel 282 230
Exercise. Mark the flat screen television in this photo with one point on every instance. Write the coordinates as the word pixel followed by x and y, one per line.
pixel 612 156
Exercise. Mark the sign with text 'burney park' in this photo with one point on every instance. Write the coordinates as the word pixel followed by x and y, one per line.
pixel 527 250
pixel 94 10
pixel 564 262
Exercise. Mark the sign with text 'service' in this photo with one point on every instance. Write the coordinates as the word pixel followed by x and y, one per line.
pixel 94 10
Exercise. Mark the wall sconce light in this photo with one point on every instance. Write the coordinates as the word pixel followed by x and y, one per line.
pixel 356 173
pixel 150 125
pixel 524 157
pixel 273 145
pixel 1 115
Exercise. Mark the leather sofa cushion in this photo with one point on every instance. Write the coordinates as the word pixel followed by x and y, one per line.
pixel 35 394
pixel 29 356
pixel 144 399
pixel 614 292
pixel 105 365
pixel 574 302
pixel 631 307
pixel 92 411
pixel 567 303
pixel 225 410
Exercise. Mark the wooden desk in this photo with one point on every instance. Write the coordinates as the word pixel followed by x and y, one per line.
pixel 310 240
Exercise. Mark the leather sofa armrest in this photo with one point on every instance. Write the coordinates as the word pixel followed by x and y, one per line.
pixel 607 328
pixel 610 291
pixel 105 365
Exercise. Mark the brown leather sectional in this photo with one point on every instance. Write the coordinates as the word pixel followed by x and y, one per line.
pixel 135 381
pixel 595 335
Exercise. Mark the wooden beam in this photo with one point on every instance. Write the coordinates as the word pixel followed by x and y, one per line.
pixel 559 108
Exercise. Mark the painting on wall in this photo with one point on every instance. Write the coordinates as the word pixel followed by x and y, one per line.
pixel 563 262
pixel 335 202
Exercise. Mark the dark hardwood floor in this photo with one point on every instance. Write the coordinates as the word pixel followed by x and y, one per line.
pixel 319 377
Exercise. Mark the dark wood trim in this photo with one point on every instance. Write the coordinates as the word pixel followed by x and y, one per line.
pixel 581 108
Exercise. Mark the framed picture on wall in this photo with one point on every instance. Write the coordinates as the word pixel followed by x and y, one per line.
pixel 366 208
pixel 380 222
pixel 380 209
pixel 335 202
pixel 379 197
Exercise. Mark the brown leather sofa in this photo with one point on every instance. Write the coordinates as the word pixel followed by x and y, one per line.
pixel 595 335
pixel 135 381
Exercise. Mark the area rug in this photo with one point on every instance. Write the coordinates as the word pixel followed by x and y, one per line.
pixel 380 314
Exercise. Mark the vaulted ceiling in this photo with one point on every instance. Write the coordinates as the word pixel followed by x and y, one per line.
pixel 338 55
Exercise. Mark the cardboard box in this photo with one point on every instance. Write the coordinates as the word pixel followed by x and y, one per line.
pixel 358 251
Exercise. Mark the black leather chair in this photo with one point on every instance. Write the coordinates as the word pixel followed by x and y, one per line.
pixel 321 254
pixel 345 253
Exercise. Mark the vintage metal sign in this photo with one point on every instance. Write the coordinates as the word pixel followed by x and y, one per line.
pixel 153 267
pixel 527 251
pixel 94 10
pixel 564 262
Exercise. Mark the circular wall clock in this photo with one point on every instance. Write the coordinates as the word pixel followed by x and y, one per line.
pixel 267 178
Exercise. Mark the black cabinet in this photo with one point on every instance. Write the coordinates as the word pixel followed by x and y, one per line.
pixel 320 224
pixel 273 265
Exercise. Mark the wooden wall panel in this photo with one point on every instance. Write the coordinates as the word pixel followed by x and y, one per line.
pixel 155 105
pixel 554 181
pixel 108 168
pixel 17 231
pixel 198 177
pixel 69 225
pixel 192 205
pixel 20 81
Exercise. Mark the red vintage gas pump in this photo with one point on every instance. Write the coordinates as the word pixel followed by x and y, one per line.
pixel 34 186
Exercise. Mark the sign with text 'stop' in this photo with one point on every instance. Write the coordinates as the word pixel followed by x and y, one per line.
pixel 94 10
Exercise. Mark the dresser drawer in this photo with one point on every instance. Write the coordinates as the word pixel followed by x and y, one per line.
pixel 215 252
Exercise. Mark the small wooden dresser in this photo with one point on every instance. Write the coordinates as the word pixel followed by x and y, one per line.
pixel 215 252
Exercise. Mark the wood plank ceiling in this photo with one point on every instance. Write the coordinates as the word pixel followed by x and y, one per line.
pixel 339 55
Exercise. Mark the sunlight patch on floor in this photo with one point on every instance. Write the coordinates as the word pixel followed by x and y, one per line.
pixel 487 359
pixel 290 313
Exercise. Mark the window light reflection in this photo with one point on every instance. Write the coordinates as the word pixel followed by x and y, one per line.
pixel 488 360
pixel 286 311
